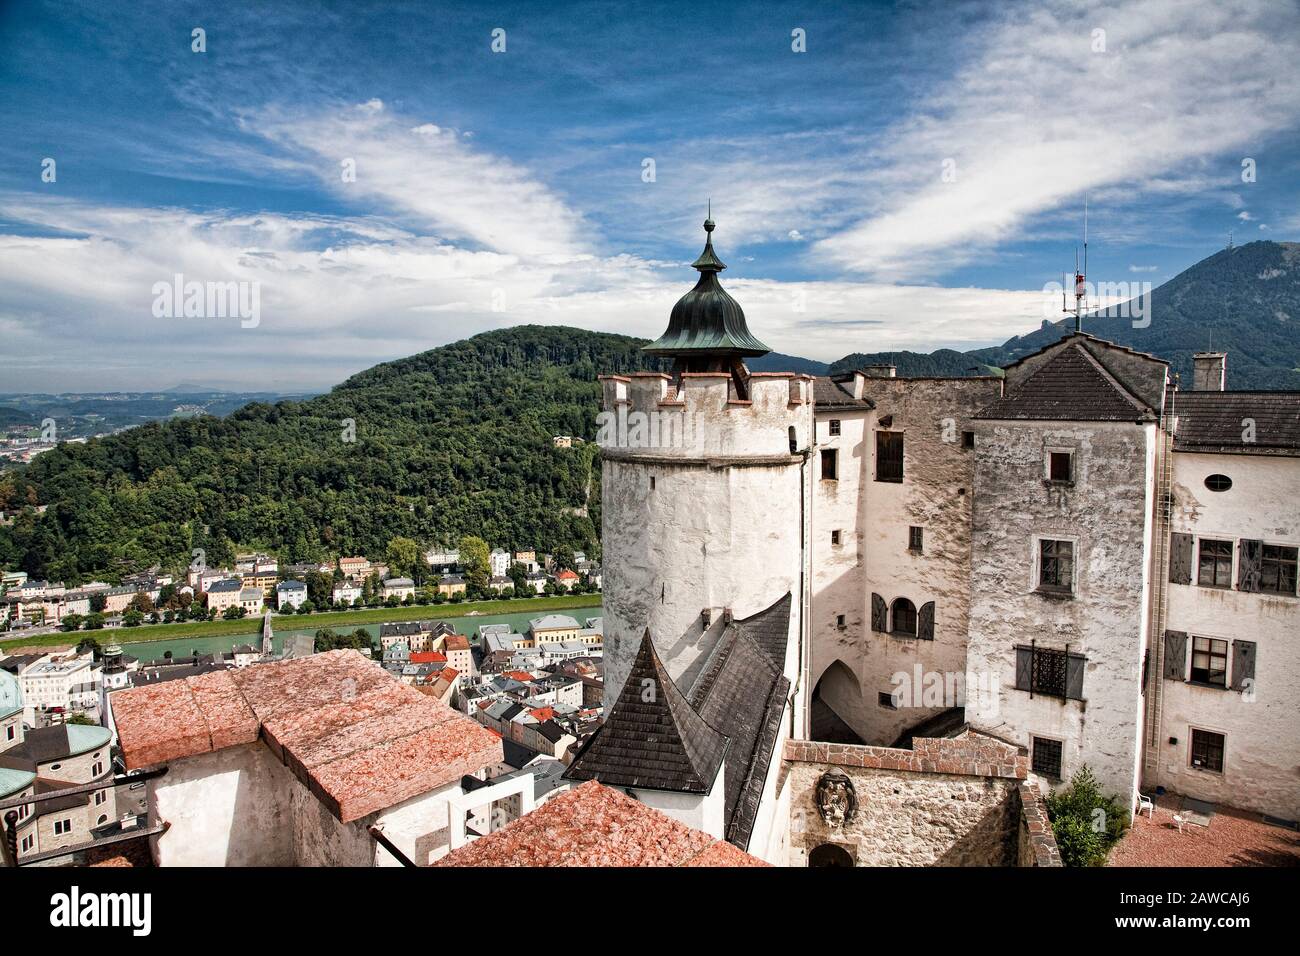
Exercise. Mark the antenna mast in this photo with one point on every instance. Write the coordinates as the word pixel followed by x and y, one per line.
pixel 1080 276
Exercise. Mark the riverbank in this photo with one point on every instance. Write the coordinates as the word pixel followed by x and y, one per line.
pixel 339 620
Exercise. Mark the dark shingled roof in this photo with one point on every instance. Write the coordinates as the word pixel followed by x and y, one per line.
pixel 652 740
pixel 1071 386
pixel 835 392
pixel 742 691
pixel 1215 422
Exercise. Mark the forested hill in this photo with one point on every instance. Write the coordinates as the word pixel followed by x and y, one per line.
pixel 1244 301
pixel 453 441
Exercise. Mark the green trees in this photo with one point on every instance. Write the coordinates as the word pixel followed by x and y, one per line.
pixel 1086 823
pixel 71 622
pixel 451 442
pixel 404 558
pixel 477 565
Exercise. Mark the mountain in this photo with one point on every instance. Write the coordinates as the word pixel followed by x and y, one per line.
pixel 453 441
pixel 1244 301
pixel 776 362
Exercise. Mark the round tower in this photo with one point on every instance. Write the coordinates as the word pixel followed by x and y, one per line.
pixel 706 489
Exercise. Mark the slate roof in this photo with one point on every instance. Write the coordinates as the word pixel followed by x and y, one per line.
pixel 740 697
pixel 742 692
pixel 1071 386
pixel 1214 422
pixel 836 392
pixel 659 743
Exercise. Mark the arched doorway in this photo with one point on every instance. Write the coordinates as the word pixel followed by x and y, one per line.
pixel 836 697
pixel 829 854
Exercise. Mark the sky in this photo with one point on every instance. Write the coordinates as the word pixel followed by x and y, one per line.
pixel 382 179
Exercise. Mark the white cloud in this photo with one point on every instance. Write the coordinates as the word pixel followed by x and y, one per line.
pixel 428 177
pixel 1036 118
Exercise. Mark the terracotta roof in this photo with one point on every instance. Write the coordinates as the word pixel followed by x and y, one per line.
pixel 652 737
pixel 456 642
pixel 1071 386
pixel 355 736
pixel 593 825
pixel 543 713
pixel 522 676
pixel 1216 422
pixel 428 657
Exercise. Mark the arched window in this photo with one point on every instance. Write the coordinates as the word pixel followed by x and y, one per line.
pixel 903 617
pixel 828 854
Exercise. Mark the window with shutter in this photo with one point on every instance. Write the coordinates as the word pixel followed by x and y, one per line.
pixel 1243 665
pixel 1024 667
pixel 925 622
pixel 1278 570
pixel 1180 558
pixel 1209 662
pixel 879 613
pixel 1175 655
pixel 1214 568
pixel 889 456
pixel 1249 564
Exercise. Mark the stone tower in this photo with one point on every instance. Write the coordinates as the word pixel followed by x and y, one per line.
pixel 706 485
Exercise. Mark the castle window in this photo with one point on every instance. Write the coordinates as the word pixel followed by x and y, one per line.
pixel 652 482
pixel 839 621
pixel 1056 566
pixel 835 537
pixel 1278 570
pixel 1214 569
pixel 830 465
pixel 1207 751
pixel 915 539
pixel 1060 467
pixel 62 826
pixel 1047 757
pixel 889 456
pixel 1209 662
pixel 886 700
pixel 967 439
pixel 1050 672
pixel 903 614
pixel 834 426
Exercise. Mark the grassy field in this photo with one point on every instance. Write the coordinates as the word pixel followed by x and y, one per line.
pixel 339 620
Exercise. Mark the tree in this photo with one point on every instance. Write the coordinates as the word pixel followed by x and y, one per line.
pixel 142 602
pixel 306 607
pixel 475 562
pixel 72 622
pixel 518 575
pixel 91 646
pixel 1086 822
pixel 98 602
pixel 563 558
pixel 131 617
pixel 320 588
pixel 234 612
pixel 404 558
pixel 94 621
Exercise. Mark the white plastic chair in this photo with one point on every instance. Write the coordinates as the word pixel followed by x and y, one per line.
pixel 1145 803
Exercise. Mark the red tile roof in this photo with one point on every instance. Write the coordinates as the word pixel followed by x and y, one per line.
pixel 522 676
pixel 456 642
pixel 543 713
pixel 355 736
pixel 594 825
pixel 428 657
pixel 566 575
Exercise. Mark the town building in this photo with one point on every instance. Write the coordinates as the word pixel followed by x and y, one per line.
pixel 290 595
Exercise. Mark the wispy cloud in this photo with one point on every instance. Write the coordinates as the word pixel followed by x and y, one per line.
pixel 1044 113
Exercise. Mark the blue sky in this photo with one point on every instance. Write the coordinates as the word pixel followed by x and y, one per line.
pixel 497 188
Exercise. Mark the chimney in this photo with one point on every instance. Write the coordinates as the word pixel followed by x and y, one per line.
pixel 859 383
pixel 880 371
pixel 1209 370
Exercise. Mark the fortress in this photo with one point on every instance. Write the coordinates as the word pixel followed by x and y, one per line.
pixel 863 619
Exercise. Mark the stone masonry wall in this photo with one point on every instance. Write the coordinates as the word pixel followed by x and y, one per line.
pixel 948 802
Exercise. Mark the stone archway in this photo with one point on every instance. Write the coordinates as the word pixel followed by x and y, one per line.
pixel 830 854
pixel 836 700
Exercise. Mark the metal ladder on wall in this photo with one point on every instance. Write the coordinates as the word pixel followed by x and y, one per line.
pixel 1164 505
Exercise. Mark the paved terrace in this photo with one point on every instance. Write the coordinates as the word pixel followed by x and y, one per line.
pixel 1233 838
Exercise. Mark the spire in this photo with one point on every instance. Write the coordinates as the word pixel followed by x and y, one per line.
pixel 707 329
